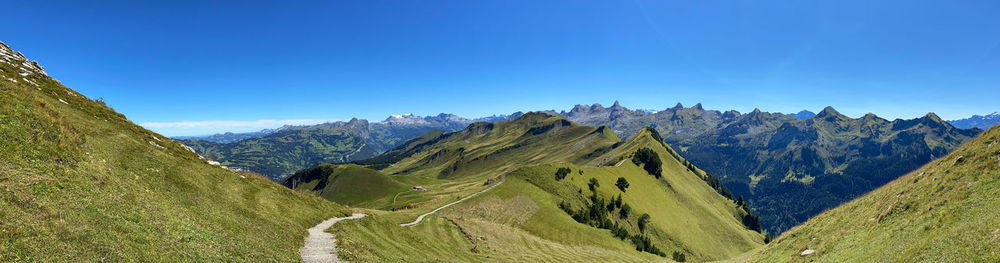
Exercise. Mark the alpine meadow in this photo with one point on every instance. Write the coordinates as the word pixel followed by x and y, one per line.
pixel 499 131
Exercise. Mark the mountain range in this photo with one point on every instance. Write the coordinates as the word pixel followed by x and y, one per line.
pixel 773 160
pixel 977 121
pixel 280 152
pixel 567 192
pixel 229 137
pixel 790 169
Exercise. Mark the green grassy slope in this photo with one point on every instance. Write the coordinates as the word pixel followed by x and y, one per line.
pixel 347 184
pixel 521 219
pixel 79 182
pixel 945 211
pixel 487 148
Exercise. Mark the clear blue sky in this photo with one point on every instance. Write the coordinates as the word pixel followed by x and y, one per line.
pixel 208 66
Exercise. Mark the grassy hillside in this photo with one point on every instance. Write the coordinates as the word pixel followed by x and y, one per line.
pixel 80 182
pixel 945 211
pixel 485 149
pixel 521 220
pixel 347 184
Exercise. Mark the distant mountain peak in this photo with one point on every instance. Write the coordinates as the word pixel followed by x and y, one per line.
pixel 678 106
pixel 400 116
pixel 617 107
pixel 804 114
pixel 698 106
pixel 829 112
pixel 934 117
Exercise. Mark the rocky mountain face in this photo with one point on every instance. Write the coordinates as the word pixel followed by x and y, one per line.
pixel 788 168
pixel 280 152
pixel 977 121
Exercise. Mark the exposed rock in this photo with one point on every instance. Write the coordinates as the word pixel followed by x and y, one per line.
pixel 807 252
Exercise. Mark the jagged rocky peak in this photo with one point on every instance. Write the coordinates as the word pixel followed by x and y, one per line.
pixel 16 59
pixel 596 107
pixel 580 108
pixel 730 114
pixel 617 107
pixel 678 106
pixel 698 107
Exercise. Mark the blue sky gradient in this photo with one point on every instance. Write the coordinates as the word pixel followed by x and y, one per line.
pixel 198 67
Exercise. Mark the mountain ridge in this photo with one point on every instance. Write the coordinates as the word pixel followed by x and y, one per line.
pixel 978 121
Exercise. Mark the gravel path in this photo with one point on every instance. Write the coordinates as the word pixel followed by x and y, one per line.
pixel 320 245
pixel 421 217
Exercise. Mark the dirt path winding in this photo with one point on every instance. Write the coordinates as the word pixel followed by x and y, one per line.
pixel 320 245
pixel 421 217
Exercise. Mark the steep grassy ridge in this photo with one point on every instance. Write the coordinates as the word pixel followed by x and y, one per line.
pixel 79 182
pixel 521 220
pixel 945 211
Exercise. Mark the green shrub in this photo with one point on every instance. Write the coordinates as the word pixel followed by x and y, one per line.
pixel 649 160
pixel 678 256
pixel 622 183
pixel 562 172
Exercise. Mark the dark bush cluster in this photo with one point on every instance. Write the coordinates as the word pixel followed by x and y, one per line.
pixel 678 256
pixel 715 184
pixel 596 215
pixel 643 222
pixel 593 184
pixel 750 220
pixel 562 172
pixel 643 244
pixel 622 183
pixel 649 160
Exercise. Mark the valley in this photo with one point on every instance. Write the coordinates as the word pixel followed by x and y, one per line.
pixel 335 131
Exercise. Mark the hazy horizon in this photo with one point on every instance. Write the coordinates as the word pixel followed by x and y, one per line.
pixel 206 68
